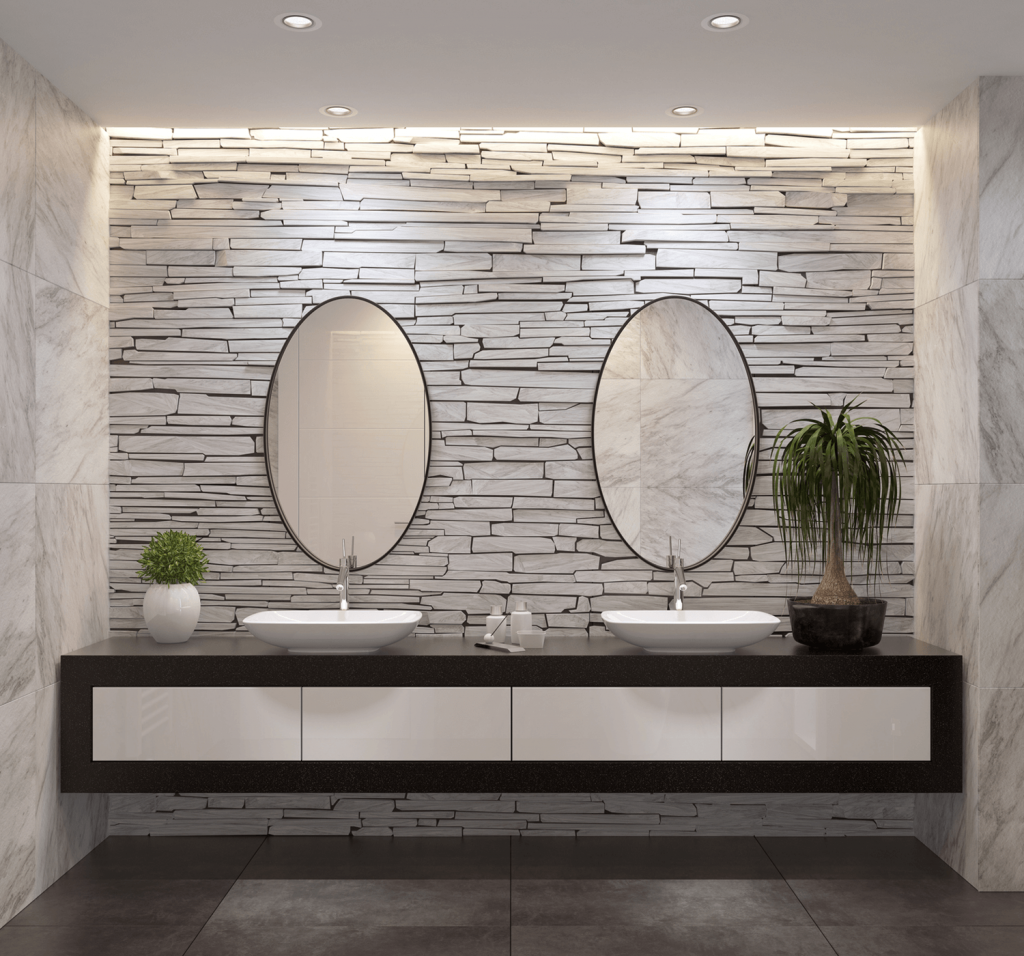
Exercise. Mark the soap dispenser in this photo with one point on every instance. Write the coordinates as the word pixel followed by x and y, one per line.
pixel 496 624
pixel 522 620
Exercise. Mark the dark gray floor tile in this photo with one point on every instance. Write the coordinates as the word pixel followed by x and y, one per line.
pixel 352 903
pixel 167 858
pixel 244 939
pixel 852 858
pixel 641 858
pixel 85 940
pixel 129 902
pixel 647 902
pixel 750 940
pixel 907 903
pixel 343 858
pixel 926 940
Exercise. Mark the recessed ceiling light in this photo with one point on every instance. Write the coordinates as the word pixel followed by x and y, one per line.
pixel 721 22
pixel 300 22
pixel 684 111
pixel 337 111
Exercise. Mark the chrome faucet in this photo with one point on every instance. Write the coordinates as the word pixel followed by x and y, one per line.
pixel 675 562
pixel 345 565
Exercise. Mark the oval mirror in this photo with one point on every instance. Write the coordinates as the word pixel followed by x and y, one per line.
pixel 347 432
pixel 675 421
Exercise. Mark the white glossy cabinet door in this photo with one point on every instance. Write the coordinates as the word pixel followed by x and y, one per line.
pixel 826 723
pixel 196 723
pixel 406 723
pixel 616 723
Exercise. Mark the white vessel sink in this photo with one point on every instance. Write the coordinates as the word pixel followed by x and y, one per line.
pixel 332 632
pixel 690 632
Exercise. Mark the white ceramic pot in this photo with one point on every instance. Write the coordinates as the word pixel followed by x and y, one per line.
pixel 171 612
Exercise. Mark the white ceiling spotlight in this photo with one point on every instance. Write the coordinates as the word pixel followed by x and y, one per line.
pixel 337 111
pixel 298 22
pixel 723 22
pixel 684 111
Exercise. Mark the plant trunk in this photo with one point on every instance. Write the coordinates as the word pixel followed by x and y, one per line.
pixel 834 588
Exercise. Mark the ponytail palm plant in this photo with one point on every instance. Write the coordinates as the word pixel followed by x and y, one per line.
pixel 835 484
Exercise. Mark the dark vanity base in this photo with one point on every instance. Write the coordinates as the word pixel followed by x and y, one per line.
pixel 936 775
pixel 244 661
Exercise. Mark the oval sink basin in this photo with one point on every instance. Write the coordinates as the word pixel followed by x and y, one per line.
pixel 690 632
pixel 332 632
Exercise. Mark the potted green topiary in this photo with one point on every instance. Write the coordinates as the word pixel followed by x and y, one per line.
pixel 836 484
pixel 175 563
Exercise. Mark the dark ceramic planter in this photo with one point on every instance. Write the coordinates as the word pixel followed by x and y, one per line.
pixel 837 627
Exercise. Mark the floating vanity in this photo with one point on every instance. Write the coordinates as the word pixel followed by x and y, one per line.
pixel 231 713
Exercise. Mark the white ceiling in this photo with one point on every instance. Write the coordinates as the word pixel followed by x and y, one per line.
pixel 223 63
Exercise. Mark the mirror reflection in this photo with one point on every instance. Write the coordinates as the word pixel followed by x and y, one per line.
pixel 675 420
pixel 347 431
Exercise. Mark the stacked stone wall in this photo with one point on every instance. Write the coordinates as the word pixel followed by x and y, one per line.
pixel 511 257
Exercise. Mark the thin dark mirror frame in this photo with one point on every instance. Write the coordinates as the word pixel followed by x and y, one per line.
pixel 753 450
pixel 266 433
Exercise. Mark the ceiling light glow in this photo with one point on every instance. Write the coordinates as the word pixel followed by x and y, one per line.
pixel 724 22
pixel 684 111
pixel 337 111
pixel 298 22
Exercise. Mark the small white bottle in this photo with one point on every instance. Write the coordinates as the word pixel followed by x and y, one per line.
pixel 496 625
pixel 522 620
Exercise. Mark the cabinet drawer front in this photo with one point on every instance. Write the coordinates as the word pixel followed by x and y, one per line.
pixel 616 723
pixel 196 723
pixel 406 723
pixel 826 723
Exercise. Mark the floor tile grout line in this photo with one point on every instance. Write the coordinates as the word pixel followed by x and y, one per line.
pixel 796 897
pixel 234 882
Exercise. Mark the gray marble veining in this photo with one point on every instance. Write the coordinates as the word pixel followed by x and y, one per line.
pixel 72 196
pixel 947 550
pixel 1000 174
pixel 1000 784
pixel 67 825
pixel 681 339
pixel 1000 622
pixel 947 382
pixel 70 386
pixel 17 158
pixel 17 376
pixel 670 442
pixel 71 570
pixel 946 157
pixel 947 823
pixel 17 804
pixel 1001 379
pixel 19 667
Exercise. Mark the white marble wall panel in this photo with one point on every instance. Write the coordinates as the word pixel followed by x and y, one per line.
pixel 1001 379
pixel 1000 202
pixel 946 215
pixel 949 555
pixel 1000 658
pixel 71 196
pixel 17 804
pixel 71 382
pixel 53 433
pixel 17 160
pixel 71 571
pixel 947 423
pixel 19 665
pixel 971 511
pixel 17 376
pixel 1000 783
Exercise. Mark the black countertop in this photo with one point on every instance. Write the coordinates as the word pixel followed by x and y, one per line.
pixel 231 659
